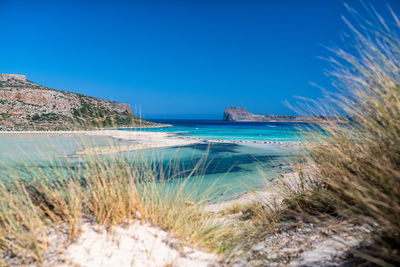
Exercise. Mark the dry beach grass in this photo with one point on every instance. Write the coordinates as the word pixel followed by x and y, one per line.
pixel 346 193
pixel 38 203
pixel 350 173
pixel 358 167
pixel 346 190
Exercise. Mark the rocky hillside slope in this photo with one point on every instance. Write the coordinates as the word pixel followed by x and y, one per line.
pixel 241 114
pixel 25 105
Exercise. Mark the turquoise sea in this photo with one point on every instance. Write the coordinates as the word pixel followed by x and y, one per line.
pixel 236 167
pixel 246 131
pixel 227 168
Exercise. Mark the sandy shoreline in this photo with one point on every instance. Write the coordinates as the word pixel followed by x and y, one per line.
pixel 285 143
pixel 134 244
pixel 271 195
pixel 140 140
pixel 137 140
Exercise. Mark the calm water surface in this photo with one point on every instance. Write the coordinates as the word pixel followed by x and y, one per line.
pixel 227 168
pixel 248 131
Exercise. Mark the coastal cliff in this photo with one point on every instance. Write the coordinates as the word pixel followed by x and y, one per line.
pixel 25 105
pixel 241 114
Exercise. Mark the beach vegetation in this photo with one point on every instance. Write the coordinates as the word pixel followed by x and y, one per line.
pixel 348 171
pixel 51 200
pixel 352 169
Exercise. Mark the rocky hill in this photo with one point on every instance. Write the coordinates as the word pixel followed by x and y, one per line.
pixel 241 114
pixel 25 105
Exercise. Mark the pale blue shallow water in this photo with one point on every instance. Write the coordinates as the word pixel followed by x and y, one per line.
pixel 229 169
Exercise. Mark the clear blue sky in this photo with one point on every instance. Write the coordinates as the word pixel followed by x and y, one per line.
pixel 176 59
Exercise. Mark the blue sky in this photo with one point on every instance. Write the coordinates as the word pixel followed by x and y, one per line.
pixel 176 59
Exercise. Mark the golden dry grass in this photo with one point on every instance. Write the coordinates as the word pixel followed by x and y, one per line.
pixel 109 191
pixel 349 170
pixel 354 168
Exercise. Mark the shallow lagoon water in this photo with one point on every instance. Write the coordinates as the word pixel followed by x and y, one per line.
pixel 31 147
pixel 25 154
pixel 226 169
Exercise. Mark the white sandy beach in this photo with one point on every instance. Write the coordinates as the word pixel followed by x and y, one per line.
pixel 141 140
pixel 138 140
pixel 135 244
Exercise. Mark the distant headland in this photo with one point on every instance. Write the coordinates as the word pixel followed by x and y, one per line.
pixel 25 105
pixel 241 114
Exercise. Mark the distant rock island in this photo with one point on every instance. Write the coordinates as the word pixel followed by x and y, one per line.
pixel 241 114
pixel 25 105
